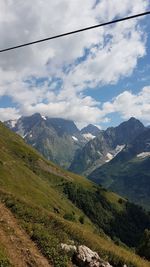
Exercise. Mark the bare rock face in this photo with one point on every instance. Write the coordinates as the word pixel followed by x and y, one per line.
pixel 85 257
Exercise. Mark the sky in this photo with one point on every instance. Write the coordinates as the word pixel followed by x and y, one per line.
pixel 101 76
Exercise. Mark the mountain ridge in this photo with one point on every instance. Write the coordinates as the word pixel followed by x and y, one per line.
pixel 81 151
pixel 105 146
pixel 57 139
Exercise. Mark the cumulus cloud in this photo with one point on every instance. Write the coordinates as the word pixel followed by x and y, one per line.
pixel 129 104
pixel 9 113
pixel 52 77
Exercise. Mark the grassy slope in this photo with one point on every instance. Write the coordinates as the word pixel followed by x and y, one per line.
pixel 26 173
pixel 32 188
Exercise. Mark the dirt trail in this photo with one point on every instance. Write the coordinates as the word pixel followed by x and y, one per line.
pixel 21 251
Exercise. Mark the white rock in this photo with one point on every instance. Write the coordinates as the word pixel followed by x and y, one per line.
pixel 85 257
pixel 88 258
pixel 68 248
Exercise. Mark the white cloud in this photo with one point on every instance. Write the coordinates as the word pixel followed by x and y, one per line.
pixel 109 63
pixel 131 105
pixel 111 53
pixel 9 114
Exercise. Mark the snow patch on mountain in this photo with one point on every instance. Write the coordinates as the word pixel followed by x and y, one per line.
pixel 12 123
pixel 114 153
pixel 75 138
pixel 88 136
pixel 109 157
pixel 119 149
pixel 24 135
pixel 44 118
pixel 143 155
pixel 20 129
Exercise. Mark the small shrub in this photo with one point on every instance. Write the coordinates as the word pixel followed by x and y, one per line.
pixel 82 219
pixel 4 263
pixel 120 201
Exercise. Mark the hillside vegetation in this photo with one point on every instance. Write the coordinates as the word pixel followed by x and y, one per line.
pixel 55 206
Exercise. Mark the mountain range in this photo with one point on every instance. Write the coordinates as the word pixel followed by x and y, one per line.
pixel 42 206
pixel 57 139
pixel 62 142
pixel 101 155
pixel 105 146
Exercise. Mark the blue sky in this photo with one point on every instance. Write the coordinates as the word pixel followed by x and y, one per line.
pixel 100 77
pixel 139 79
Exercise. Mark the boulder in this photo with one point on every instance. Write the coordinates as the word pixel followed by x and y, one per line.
pixel 85 257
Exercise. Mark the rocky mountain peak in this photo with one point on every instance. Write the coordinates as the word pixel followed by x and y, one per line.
pixel 90 128
pixel 56 138
pixel 63 126
pixel 105 146
pixel 132 122
pixel 90 132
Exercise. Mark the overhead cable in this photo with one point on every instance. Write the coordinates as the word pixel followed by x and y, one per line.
pixel 74 32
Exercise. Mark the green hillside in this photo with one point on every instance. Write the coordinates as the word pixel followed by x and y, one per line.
pixel 55 206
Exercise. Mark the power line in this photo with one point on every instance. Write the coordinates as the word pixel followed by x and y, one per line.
pixel 76 31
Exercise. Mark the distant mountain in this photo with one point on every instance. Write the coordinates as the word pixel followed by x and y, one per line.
pixel 105 146
pixel 57 139
pixel 129 172
pixel 125 132
pixel 62 142
pixel 90 132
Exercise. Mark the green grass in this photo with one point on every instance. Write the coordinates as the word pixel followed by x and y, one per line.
pixel 48 230
pixel 4 261
pixel 34 190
